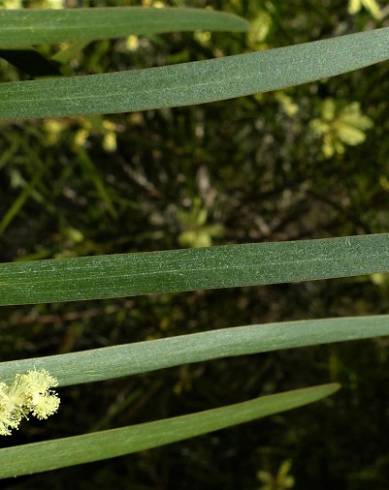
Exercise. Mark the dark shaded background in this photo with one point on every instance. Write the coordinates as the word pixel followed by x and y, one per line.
pixel 250 169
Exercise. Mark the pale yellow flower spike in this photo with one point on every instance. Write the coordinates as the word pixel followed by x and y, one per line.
pixel 41 399
pixel 30 393
pixel 5 415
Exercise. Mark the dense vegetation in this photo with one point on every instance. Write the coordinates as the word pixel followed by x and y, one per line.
pixel 309 162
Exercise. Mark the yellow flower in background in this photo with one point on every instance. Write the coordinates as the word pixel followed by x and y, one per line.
pixel 202 37
pixel 40 4
pixel 97 125
pixel 109 136
pixel 81 136
pixel 196 233
pixel 378 278
pixel 54 4
pixel 355 6
pixel 259 30
pixel 384 183
pixel 153 3
pixel 340 126
pixel 287 103
pixel 132 42
pixel 53 129
pixel 282 480
pixel 11 4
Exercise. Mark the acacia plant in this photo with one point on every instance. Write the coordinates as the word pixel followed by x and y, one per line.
pixel 113 276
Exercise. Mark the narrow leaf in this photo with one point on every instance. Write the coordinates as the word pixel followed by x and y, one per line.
pixel 141 357
pixel 196 82
pixel 59 453
pixel 30 27
pixel 112 276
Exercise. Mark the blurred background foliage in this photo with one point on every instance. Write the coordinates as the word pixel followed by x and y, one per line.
pixel 308 162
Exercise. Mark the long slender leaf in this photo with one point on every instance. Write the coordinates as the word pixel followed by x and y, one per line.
pixel 123 360
pixel 194 83
pixel 59 453
pixel 30 27
pixel 111 276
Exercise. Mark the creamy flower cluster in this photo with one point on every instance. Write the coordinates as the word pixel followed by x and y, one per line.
pixel 29 394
